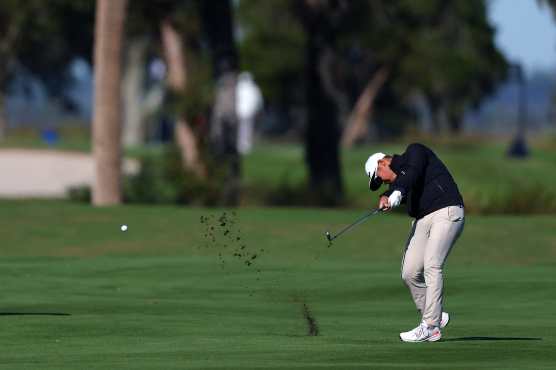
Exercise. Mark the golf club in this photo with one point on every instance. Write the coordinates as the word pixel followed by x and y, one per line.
pixel 357 222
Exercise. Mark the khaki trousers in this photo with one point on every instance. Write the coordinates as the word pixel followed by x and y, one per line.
pixel 429 243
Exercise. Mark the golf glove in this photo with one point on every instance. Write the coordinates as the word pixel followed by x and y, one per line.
pixel 395 199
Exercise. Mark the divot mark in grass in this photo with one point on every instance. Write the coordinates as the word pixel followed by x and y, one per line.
pixel 312 325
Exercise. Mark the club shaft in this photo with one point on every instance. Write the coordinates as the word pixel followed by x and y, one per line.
pixel 357 222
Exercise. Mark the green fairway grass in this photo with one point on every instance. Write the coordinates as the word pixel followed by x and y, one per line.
pixel 77 293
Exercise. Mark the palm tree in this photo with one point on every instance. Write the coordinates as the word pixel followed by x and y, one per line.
pixel 109 26
pixel 322 136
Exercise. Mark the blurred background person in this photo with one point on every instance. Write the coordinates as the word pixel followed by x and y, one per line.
pixel 249 102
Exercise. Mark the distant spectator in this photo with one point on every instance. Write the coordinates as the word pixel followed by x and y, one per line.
pixel 249 101
pixel 157 69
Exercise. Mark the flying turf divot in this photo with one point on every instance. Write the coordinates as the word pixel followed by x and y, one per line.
pixel 223 236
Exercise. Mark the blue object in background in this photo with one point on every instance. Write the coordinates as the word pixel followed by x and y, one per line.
pixel 50 136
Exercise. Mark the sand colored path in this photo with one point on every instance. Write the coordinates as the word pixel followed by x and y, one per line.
pixel 28 173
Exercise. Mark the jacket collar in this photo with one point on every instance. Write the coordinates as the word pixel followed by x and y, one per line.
pixel 396 164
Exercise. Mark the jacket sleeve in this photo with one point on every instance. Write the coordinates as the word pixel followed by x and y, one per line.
pixel 410 173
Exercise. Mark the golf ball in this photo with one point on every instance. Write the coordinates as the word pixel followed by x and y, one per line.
pixel 123 227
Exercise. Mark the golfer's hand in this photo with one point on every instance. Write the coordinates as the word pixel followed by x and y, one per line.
pixel 384 203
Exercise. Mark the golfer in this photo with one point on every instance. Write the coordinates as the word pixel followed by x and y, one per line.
pixel 418 178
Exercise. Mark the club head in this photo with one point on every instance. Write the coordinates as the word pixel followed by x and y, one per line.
pixel 328 236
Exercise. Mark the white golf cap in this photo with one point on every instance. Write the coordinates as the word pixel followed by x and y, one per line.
pixel 370 169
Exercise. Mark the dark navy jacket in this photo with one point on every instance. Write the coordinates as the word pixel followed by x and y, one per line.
pixel 424 181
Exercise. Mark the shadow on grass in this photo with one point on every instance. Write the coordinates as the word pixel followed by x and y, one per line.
pixel 34 314
pixel 488 338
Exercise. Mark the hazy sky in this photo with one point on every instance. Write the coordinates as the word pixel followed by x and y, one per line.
pixel 526 32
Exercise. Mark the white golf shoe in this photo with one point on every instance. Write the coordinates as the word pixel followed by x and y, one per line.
pixel 422 333
pixel 444 320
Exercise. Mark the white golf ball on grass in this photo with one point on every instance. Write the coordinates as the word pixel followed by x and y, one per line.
pixel 123 227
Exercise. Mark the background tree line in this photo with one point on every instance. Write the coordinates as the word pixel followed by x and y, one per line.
pixel 344 67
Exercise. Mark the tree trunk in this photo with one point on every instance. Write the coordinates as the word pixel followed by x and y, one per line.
pixel 177 80
pixel 322 136
pixel 322 151
pixel 109 24
pixel 358 119
pixel 217 18
pixel 338 96
pixel 133 82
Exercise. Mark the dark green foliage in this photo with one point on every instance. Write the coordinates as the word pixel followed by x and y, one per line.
pixel 271 46
pixel 288 194
pixel 43 37
pixel 145 18
pixel 163 180
pixel 516 198
pixel 445 50
pixel 80 194
pixel 195 102
pixel 454 60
